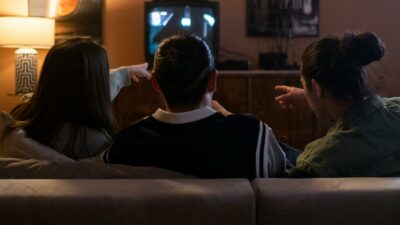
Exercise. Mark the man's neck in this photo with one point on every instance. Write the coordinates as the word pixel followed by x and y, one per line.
pixel 179 109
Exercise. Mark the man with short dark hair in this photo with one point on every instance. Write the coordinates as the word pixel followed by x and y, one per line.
pixel 189 136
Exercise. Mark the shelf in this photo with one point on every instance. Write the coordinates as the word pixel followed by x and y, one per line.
pixel 260 72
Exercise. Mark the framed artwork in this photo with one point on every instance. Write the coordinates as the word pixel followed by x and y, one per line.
pixel 288 18
pixel 79 18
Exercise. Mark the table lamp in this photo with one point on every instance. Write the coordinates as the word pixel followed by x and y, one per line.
pixel 26 33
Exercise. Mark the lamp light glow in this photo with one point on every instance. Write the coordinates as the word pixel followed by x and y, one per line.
pixel 52 11
pixel 33 32
pixel 26 33
pixel 14 7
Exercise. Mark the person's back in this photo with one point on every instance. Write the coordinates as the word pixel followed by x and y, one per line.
pixel 364 142
pixel 214 146
pixel 189 136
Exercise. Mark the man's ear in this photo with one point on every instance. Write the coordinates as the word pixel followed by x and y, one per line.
pixel 212 81
pixel 317 88
pixel 154 83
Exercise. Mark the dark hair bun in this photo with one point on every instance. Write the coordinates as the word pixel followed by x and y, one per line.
pixel 363 48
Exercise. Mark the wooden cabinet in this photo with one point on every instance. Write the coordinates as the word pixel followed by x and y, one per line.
pixel 253 91
pixel 238 91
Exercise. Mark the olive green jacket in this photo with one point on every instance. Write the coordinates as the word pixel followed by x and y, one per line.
pixel 365 141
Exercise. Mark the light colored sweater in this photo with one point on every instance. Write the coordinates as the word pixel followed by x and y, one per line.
pixel 88 143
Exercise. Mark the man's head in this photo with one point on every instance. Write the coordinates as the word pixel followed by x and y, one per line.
pixel 184 70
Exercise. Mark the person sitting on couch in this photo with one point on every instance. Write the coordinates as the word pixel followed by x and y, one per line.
pixel 70 111
pixel 189 136
pixel 364 139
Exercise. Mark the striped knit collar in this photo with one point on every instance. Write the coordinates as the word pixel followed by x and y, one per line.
pixel 184 117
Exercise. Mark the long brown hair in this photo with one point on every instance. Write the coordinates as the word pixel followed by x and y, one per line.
pixel 73 88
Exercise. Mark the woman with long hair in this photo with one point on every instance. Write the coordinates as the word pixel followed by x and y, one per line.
pixel 70 110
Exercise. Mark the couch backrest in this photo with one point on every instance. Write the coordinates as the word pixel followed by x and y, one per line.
pixel 45 169
pixel 329 201
pixel 143 202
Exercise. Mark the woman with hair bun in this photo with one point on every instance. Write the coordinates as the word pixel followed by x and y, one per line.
pixel 364 139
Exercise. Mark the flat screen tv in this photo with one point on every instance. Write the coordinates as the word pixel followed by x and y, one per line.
pixel 166 18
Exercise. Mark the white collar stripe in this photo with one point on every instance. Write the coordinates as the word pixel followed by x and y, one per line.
pixel 184 117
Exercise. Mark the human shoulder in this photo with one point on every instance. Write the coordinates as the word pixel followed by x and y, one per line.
pixel 15 143
pixel 127 141
pixel 246 116
pixel 5 120
pixel 136 126
pixel 242 119
pixel 322 156
pixel 241 126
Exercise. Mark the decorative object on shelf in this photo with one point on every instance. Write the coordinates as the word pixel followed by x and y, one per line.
pixel 233 60
pixel 283 18
pixel 79 18
pixel 272 60
pixel 26 33
pixel 74 18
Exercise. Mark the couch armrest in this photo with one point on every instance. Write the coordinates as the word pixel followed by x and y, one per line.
pixel 328 201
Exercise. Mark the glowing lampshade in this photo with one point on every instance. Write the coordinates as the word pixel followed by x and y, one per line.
pixel 32 32
pixel 14 7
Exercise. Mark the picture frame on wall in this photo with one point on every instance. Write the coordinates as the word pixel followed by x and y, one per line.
pixel 79 18
pixel 291 18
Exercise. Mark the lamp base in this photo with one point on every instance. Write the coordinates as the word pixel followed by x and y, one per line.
pixel 25 70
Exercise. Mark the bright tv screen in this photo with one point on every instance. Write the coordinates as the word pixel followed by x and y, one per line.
pixel 164 19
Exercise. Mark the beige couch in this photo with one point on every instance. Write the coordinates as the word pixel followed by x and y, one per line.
pixel 174 199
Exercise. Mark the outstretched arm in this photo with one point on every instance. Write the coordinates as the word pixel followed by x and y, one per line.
pixel 291 97
pixel 219 108
pixel 121 77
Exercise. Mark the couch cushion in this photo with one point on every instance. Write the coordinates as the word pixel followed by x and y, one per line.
pixel 360 201
pixel 144 202
pixel 32 168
